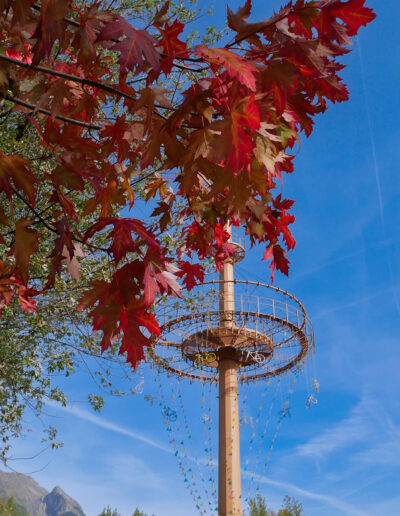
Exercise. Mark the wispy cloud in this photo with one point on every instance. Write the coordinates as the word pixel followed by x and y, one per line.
pixel 356 302
pixel 130 470
pixel 371 138
pixel 101 422
pixel 377 172
pixel 345 433
pixel 368 425
pixel 343 507
pixel 343 257
pixel 386 452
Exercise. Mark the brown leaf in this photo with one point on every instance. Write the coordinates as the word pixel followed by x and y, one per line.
pixel 73 266
pixel 16 168
pixel 26 243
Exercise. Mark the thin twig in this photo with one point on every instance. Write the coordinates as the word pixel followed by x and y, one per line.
pixel 36 213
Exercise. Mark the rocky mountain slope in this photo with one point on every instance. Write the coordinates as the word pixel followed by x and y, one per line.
pixel 37 500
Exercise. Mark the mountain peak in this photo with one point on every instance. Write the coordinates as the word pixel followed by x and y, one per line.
pixel 57 489
pixel 58 502
pixel 37 500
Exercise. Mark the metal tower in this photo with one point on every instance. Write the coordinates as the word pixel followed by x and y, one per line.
pixel 224 333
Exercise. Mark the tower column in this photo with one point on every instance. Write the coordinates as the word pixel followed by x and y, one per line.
pixel 229 489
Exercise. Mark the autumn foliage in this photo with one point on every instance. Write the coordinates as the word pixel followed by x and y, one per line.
pixel 208 156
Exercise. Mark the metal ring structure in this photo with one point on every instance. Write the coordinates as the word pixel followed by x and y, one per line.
pixel 266 335
pixel 239 245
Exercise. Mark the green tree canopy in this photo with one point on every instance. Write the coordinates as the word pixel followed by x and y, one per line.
pixel 107 511
pixel 11 508
pixel 258 507
pixel 139 513
pixel 290 507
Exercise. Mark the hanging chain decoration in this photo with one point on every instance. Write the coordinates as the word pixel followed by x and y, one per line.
pixel 212 463
pixel 311 400
pixel 265 428
pixel 206 421
pixel 169 428
pixel 169 414
pixel 283 413
pixel 316 385
pixel 149 398
pixel 139 387
pixel 198 499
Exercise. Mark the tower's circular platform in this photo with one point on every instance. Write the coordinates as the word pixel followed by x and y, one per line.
pixel 266 334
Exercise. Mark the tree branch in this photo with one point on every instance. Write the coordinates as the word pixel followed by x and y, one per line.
pixel 31 208
pixel 80 80
pixel 67 20
pixel 268 23
pixel 69 77
pixel 48 113
pixel 53 230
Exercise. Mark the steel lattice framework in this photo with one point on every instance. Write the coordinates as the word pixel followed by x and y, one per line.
pixel 269 332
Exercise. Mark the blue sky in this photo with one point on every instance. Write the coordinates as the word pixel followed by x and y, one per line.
pixel 342 456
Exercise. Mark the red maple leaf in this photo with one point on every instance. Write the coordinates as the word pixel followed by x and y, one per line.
pixel 220 234
pixel 235 144
pixel 353 13
pixel 302 20
pixel 245 120
pixel 138 49
pixel 133 340
pixel 159 278
pixel 52 27
pixel 172 46
pixel 148 320
pixel 90 22
pixel 235 66
pixel 191 273
pixel 132 345
pixel 26 302
pixel 122 241
pixel 64 249
pixel 278 258
pixel 238 22
pixel 10 285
